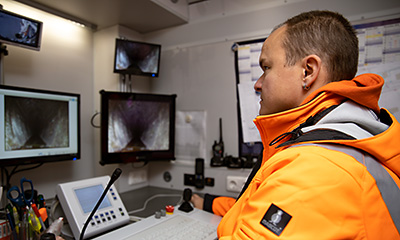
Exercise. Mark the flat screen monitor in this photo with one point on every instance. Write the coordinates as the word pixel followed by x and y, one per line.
pixel 19 30
pixel 137 58
pixel 38 126
pixel 137 127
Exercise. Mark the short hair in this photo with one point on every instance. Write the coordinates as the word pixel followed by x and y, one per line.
pixel 326 34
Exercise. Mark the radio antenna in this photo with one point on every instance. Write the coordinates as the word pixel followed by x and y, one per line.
pixel 220 130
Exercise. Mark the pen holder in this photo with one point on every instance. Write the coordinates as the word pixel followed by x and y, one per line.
pixel 23 232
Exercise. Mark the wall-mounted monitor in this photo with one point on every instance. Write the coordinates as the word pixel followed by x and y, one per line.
pixel 137 127
pixel 19 30
pixel 137 58
pixel 38 126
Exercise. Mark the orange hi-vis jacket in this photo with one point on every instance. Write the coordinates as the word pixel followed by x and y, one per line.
pixel 311 192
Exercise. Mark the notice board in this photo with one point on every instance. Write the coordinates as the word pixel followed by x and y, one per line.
pixel 379 52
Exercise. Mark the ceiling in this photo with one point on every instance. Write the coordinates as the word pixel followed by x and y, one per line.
pixel 142 16
pixel 146 16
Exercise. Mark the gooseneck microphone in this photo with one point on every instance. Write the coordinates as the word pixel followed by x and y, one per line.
pixel 117 172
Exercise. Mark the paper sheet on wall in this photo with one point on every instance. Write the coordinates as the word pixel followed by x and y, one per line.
pixel 390 96
pixel 190 137
pixel 378 44
pixel 249 109
pixel 379 52
pixel 249 72
pixel 248 58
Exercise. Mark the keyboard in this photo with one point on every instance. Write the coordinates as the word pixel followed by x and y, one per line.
pixel 196 224
pixel 176 228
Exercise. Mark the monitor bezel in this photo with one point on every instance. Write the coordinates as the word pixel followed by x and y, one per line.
pixel 129 72
pixel 52 158
pixel 137 156
pixel 37 46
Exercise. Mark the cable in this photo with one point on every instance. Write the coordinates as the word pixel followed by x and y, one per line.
pixel 92 119
pixel 53 207
pixel 153 197
pixel 129 87
pixel 14 171
pixel 122 84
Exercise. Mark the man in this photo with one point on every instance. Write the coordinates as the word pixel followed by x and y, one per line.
pixel 307 187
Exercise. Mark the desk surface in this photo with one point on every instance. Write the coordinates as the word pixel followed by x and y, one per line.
pixel 160 197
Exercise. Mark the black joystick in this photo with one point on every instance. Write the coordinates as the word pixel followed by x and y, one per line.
pixel 185 206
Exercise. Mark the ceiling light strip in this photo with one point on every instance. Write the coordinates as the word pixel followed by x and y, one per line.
pixel 59 13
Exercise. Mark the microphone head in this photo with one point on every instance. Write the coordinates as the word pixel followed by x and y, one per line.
pixel 117 172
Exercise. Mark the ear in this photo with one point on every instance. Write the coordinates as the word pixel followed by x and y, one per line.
pixel 311 70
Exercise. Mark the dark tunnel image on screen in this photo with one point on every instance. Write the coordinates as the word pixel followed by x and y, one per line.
pixel 137 58
pixel 33 123
pixel 137 126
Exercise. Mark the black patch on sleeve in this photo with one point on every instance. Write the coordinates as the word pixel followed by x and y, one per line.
pixel 208 202
pixel 275 219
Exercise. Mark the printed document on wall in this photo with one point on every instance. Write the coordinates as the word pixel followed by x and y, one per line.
pixel 390 96
pixel 190 142
pixel 249 109
pixel 248 62
pixel 379 53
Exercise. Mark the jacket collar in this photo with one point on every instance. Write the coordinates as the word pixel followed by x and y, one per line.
pixel 364 90
pixel 271 126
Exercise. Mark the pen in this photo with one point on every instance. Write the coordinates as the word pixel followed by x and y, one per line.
pixel 16 219
pixel 41 205
pixel 43 214
pixel 33 220
pixel 38 215
pixel 41 201
pixel 10 220
pixel 24 225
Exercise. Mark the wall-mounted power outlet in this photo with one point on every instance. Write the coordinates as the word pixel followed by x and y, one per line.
pixel 137 176
pixel 235 183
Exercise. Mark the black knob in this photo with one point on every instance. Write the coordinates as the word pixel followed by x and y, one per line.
pixel 187 195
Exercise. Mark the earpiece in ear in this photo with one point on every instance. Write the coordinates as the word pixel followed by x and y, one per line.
pixel 305 87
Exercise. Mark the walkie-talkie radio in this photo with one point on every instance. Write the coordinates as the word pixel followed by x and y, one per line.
pixel 218 149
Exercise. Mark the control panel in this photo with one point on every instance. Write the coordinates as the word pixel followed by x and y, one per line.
pixel 78 199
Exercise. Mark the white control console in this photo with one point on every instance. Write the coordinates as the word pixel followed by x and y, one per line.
pixel 78 198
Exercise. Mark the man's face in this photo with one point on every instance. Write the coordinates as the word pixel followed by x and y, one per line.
pixel 280 85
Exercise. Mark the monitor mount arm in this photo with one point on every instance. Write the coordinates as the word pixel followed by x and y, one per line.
pixel 3 52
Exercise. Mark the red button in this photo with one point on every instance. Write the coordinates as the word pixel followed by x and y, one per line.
pixel 169 209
